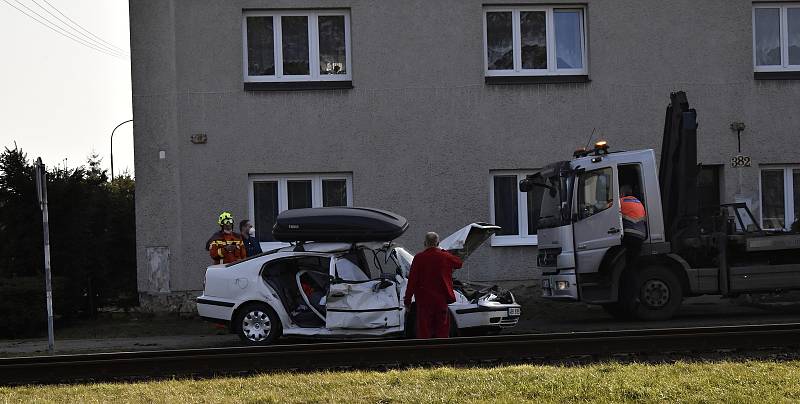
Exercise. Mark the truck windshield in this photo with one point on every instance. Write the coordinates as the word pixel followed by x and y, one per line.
pixel 553 190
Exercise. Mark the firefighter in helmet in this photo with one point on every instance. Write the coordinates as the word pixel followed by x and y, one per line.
pixel 226 246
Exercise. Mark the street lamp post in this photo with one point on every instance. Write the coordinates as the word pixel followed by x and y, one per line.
pixel 112 146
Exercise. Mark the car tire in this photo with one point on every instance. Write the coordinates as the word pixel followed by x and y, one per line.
pixel 257 324
pixel 653 293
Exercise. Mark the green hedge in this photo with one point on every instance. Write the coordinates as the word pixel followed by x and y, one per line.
pixel 92 242
pixel 23 312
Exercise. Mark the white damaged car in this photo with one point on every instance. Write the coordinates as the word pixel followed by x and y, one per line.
pixel 348 285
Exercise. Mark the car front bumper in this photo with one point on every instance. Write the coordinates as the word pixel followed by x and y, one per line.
pixel 477 315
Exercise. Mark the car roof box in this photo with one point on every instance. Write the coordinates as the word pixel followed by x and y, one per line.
pixel 338 225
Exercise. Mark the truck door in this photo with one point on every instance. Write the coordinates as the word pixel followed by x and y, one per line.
pixel 356 302
pixel 598 221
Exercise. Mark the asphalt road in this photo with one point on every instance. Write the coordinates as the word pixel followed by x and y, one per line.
pixel 695 312
pixel 538 317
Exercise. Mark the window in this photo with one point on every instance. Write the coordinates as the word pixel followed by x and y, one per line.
pixel 780 197
pixel 271 195
pixel 776 37
pixel 296 46
pixel 516 212
pixel 594 192
pixel 534 41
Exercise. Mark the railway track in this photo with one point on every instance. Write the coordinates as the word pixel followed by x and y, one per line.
pixel 370 354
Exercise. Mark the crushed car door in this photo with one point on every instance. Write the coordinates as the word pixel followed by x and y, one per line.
pixel 356 302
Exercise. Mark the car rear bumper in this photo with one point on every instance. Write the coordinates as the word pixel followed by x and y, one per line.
pixel 215 308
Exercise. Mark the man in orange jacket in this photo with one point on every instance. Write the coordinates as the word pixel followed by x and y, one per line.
pixel 431 284
pixel 634 222
pixel 226 246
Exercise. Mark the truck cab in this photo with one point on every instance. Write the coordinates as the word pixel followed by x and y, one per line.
pixel 581 220
pixel 580 226
pixel 583 255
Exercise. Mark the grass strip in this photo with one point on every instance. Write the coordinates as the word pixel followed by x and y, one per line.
pixel 742 382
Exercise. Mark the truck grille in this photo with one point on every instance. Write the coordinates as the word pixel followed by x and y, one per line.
pixel 548 257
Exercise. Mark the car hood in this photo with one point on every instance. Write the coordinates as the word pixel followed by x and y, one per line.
pixel 463 242
pixel 474 292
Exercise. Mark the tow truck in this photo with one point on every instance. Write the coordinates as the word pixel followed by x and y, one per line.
pixel 582 256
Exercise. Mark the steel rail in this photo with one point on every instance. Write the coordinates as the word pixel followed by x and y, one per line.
pixel 366 354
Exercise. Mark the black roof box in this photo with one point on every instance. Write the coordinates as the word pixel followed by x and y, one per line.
pixel 338 225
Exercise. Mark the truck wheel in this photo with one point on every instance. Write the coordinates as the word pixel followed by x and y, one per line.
pixel 654 293
pixel 257 324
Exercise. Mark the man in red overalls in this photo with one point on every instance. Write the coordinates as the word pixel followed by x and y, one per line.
pixel 431 283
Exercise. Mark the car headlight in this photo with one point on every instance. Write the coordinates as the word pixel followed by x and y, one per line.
pixel 562 285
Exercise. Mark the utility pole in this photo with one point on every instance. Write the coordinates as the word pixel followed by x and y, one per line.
pixel 41 191
pixel 112 146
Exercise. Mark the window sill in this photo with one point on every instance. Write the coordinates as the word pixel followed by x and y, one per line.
pixel 511 80
pixel 297 85
pixel 784 75
pixel 514 241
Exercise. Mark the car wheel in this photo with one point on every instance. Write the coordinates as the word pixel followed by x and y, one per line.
pixel 654 293
pixel 258 324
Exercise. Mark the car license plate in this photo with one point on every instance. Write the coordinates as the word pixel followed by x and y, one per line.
pixel 514 311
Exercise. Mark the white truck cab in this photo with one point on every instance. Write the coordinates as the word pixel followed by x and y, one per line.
pixel 582 253
pixel 581 220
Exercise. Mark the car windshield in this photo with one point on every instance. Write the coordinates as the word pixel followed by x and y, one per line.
pixel 554 208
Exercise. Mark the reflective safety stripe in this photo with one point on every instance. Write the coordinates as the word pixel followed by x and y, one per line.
pixel 237 243
pixel 632 219
pixel 635 232
pixel 636 229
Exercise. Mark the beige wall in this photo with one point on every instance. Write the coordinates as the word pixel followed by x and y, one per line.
pixel 420 131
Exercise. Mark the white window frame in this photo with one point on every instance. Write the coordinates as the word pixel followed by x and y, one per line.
pixel 552 69
pixel 788 194
pixel 313 46
pixel 283 194
pixel 784 21
pixel 523 238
